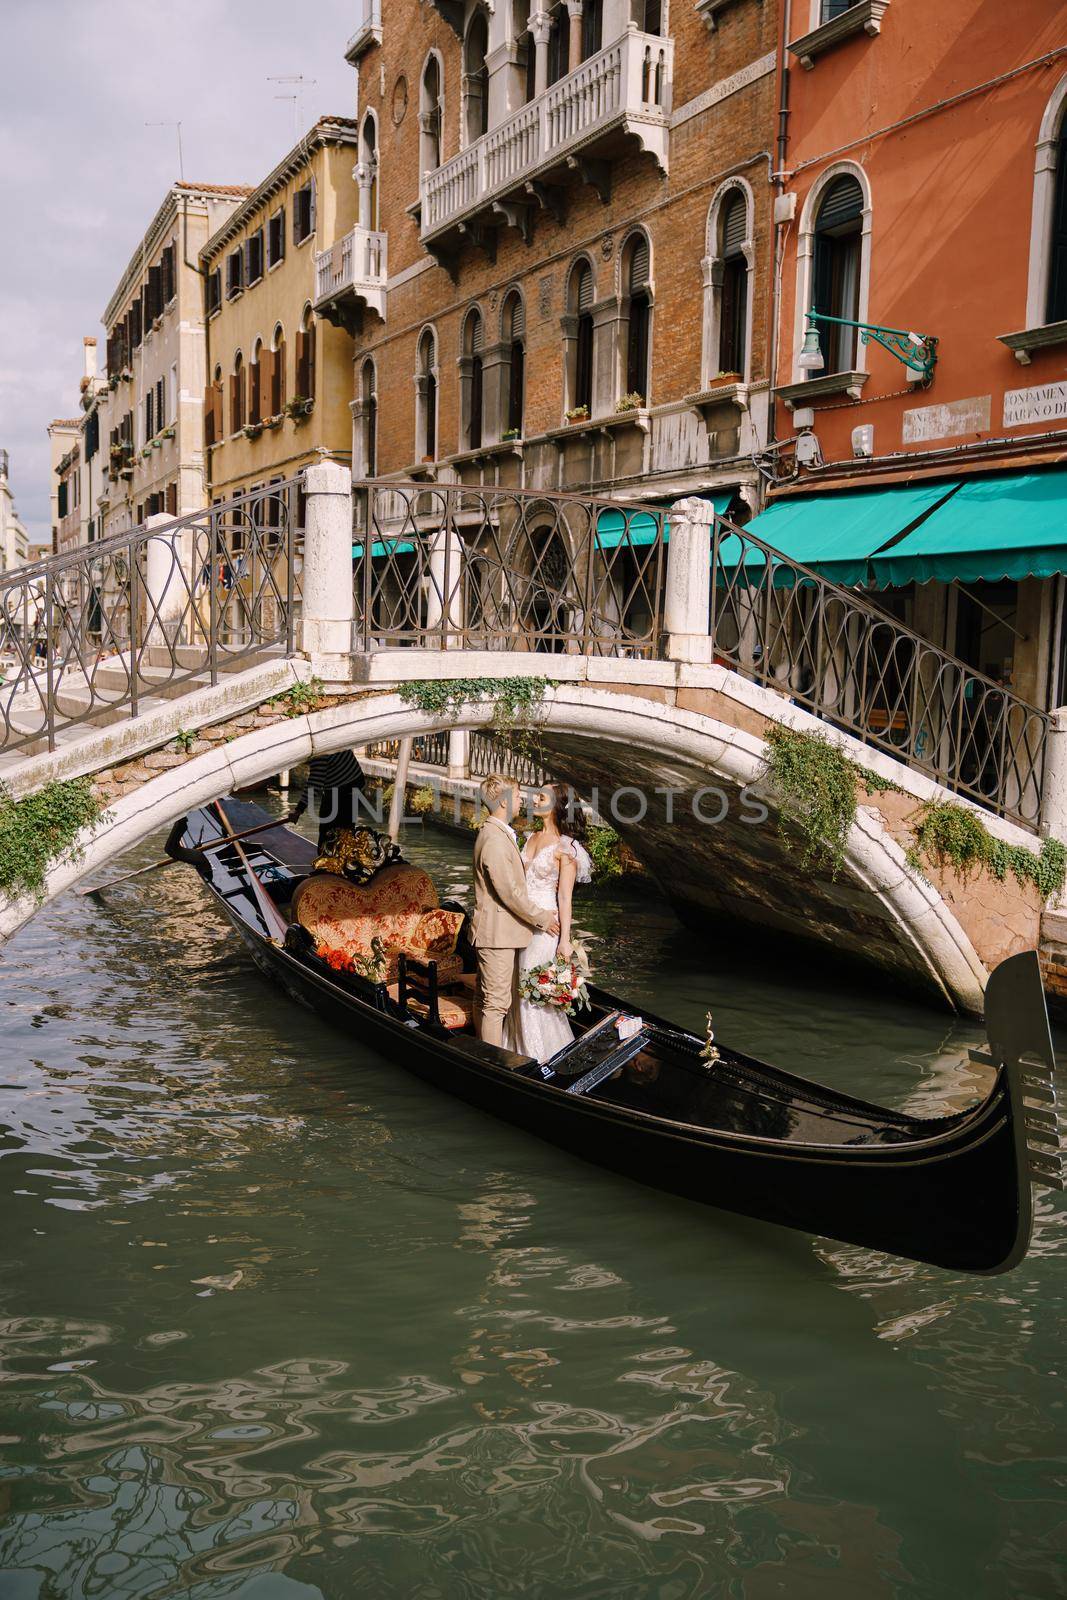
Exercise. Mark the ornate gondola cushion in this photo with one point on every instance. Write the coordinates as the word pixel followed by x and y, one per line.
pixel 399 907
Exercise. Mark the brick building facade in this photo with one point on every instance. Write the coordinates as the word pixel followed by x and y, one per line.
pixel 577 211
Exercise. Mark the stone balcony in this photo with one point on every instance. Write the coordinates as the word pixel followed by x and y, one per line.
pixel 351 276
pixel 580 124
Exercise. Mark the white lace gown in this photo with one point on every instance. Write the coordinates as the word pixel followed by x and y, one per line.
pixel 542 1029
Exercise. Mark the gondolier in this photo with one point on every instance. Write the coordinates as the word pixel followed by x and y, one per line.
pixel 334 786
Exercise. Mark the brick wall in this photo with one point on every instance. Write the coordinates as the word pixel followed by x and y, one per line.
pixel 730 136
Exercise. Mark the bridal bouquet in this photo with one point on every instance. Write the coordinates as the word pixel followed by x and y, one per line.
pixel 557 983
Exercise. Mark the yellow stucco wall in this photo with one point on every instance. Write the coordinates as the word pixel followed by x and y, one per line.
pixel 281 296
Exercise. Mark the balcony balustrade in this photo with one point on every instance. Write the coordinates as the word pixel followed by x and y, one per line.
pixel 580 122
pixel 352 275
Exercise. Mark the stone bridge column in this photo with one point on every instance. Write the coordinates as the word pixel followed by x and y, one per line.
pixel 167 584
pixel 444 587
pixel 327 578
pixel 687 599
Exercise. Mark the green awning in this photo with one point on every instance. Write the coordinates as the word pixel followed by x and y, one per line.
pixel 613 528
pixel 1007 527
pixel 381 547
pixel 836 534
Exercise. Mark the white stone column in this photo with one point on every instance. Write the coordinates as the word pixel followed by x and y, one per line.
pixel 364 173
pixel 327 575
pixel 1054 788
pixel 459 753
pixel 444 591
pixel 166 584
pixel 687 600
pixel 540 28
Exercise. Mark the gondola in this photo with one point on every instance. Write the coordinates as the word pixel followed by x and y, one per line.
pixel 734 1133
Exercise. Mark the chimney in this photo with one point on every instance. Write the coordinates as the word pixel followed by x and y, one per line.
pixel 90 357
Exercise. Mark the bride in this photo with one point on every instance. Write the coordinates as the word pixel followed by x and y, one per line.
pixel 554 861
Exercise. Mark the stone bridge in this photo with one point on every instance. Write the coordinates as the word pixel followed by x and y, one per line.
pixel 653 701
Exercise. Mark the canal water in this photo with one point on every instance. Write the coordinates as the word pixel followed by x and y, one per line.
pixel 279 1322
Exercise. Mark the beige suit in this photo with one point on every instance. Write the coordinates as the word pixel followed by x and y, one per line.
pixel 504 921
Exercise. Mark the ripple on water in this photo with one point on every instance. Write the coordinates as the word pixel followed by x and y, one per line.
pixel 278 1322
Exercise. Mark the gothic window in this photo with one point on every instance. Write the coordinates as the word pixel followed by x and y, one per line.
pixel 836 262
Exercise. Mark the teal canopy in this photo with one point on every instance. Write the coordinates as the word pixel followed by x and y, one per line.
pixel 615 526
pixel 1010 526
pixel 382 547
pixel 836 534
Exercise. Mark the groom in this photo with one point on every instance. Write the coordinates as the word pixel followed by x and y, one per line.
pixel 504 915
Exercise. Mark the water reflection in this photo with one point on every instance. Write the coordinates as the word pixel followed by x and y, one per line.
pixel 276 1321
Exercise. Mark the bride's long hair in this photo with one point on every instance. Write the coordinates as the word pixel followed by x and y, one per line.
pixel 567 812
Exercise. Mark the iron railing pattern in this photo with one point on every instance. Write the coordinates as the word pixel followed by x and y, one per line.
pixel 835 653
pixel 92 634
pixel 448 565
pixel 490 752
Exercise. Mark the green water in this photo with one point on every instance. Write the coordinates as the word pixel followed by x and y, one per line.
pixel 278 1322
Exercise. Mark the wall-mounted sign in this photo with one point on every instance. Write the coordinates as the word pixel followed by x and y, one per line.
pixel 1041 402
pixel 947 421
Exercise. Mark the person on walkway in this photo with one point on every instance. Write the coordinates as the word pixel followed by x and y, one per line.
pixel 335 784
pixel 505 917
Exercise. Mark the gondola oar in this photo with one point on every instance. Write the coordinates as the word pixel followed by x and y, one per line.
pixel 273 921
pixel 169 861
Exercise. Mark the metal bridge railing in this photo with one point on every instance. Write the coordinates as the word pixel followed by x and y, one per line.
pixel 833 652
pixel 96 631
pixel 446 565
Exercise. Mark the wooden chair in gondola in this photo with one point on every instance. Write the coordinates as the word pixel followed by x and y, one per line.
pixel 418 990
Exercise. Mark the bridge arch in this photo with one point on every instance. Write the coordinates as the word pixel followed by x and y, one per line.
pixel 879 907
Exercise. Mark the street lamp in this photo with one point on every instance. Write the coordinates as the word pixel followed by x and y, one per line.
pixel 917 351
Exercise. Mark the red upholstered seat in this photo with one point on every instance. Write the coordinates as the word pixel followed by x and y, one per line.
pixel 399 907
pixel 455 1010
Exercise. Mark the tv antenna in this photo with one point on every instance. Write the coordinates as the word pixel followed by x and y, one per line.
pixel 178 127
pixel 299 83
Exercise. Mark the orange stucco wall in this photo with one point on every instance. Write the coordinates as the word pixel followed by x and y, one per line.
pixel 951 200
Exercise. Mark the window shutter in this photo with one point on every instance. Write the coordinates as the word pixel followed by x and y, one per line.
pixel 584 296
pixel 301 347
pixel 639 264
pixel 311 206
pixel 172 499
pixel 518 319
pixel 154 293
pixel 148 428
pixel 217 404
pixel 734 220
pixel 234 394
pixel 209 414
pixel 841 204
pixel 477 334
pixel 279 377
pixel 266 381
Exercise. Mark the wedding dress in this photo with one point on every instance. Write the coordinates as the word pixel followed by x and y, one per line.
pixel 543 1029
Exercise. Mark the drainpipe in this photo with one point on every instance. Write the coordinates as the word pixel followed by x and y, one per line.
pixel 779 229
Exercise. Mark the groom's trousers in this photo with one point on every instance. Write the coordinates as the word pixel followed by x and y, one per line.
pixel 498 992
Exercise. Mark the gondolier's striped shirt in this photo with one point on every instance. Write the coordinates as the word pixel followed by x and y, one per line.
pixel 339 771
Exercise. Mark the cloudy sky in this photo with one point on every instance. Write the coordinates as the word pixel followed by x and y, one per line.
pixel 82 176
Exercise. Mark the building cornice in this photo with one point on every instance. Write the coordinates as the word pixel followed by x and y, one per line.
pixel 165 217
pixel 326 131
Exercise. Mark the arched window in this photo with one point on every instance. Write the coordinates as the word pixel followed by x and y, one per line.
pixel 214 426
pixel 367 421
pixel 836 263
pixel 728 282
pixel 305 356
pixel 1046 288
pixel 367 172
pixel 513 328
pixel 476 77
pixel 237 394
pixel 431 114
pixel 277 372
pixel 426 396
pixel 579 336
pixel 472 381
pixel 255 382
pixel 592 27
pixel 636 265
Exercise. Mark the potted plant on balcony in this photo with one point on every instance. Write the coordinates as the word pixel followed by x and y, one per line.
pixel 275 421
pixel 510 435
pixel 168 433
pixel 299 407
pixel 722 380
pixel 576 414
pixel 630 402
pixel 252 430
